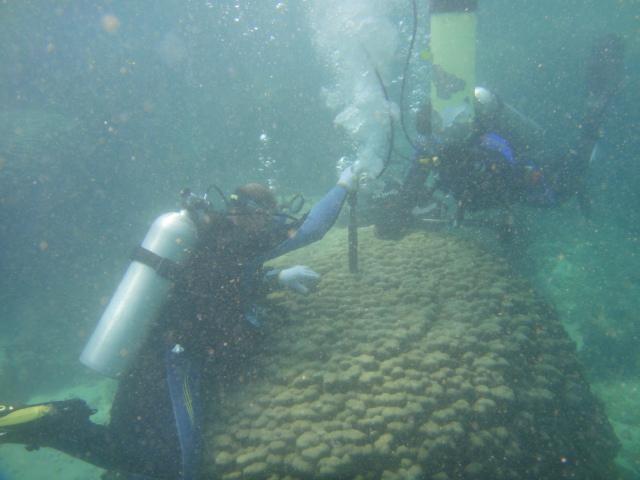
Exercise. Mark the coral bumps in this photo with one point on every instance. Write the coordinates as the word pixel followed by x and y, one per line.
pixel 434 362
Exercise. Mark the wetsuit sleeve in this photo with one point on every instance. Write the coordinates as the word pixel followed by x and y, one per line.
pixel 318 222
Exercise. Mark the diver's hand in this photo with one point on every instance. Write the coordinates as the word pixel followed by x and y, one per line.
pixel 349 177
pixel 298 278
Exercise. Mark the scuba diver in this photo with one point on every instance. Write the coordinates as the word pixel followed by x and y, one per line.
pixel 201 329
pixel 479 150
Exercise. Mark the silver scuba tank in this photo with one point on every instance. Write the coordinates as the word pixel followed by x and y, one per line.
pixel 141 294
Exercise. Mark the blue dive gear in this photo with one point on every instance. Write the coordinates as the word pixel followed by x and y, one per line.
pixel 536 190
pixel 183 380
pixel 495 142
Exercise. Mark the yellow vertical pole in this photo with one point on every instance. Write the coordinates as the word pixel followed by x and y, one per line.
pixel 453 78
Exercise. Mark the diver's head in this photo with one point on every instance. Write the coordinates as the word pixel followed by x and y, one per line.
pixel 486 102
pixel 252 208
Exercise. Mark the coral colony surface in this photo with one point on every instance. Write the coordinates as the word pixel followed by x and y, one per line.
pixel 435 361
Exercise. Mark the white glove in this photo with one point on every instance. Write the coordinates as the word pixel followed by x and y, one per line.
pixel 349 177
pixel 298 278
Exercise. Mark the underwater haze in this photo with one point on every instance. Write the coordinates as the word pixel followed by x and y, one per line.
pixel 108 109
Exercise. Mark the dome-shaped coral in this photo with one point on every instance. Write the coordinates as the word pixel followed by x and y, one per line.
pixel 434 362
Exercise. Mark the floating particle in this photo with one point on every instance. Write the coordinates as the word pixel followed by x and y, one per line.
pixel 110 23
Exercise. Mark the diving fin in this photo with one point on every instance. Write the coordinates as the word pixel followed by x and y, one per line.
pixel 11 416
pixel 36 425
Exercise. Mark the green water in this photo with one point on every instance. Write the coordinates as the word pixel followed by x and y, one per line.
pixel 109 108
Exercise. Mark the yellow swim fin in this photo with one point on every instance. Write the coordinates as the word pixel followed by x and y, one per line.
pixel 10 415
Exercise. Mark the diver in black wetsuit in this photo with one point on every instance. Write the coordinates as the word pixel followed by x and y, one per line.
pixel 208 326
pixel 498 164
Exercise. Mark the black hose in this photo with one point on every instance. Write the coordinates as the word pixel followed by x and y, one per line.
pixel 219 192
pixel 402 93
pixel 353 197
pixel 385 93
pixel 391 126
pixel 405 73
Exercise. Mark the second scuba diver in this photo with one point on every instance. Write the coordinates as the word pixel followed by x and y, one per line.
pixel 502 161
pixel 205 328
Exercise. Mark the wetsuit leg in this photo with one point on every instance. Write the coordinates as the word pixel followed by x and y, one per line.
pixel 142 420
